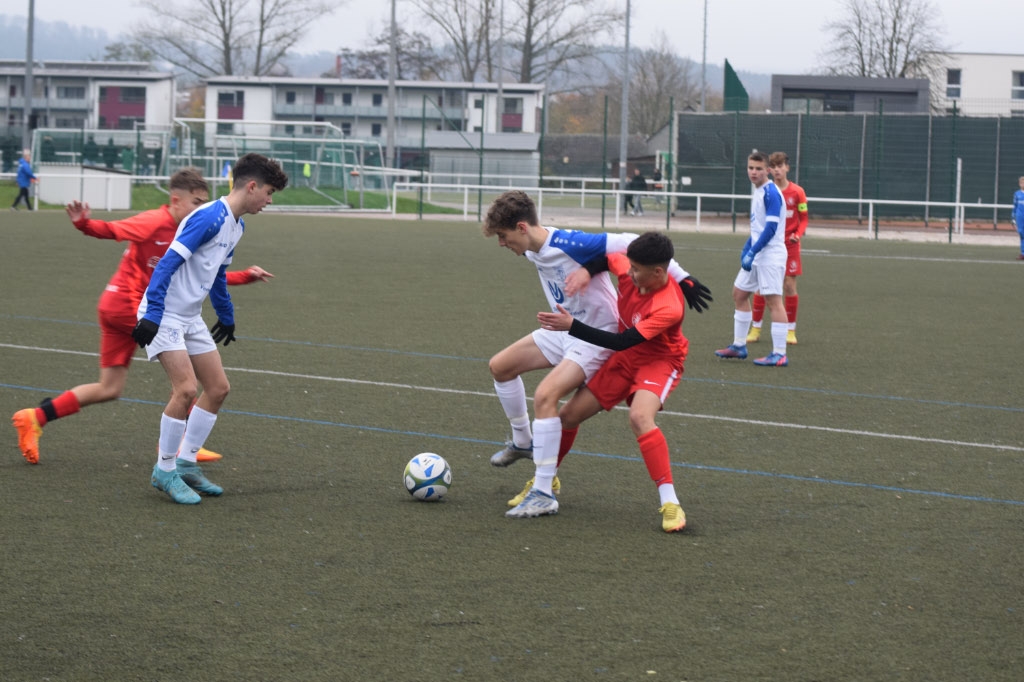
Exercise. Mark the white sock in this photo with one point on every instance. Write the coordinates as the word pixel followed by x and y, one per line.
pixel 779 330
pixel 741 325
pixel 547 436
pixel 171 431
pixel 667 493
pixel 512 395
pixel 197 430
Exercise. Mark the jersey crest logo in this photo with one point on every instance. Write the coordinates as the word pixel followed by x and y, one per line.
pixel 556 292
pixel 636 318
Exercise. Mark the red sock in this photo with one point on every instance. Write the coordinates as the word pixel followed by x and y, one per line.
pixel 568 438
pixel 654 449
pixel 758 308
pixel 62 406
pixel 792 302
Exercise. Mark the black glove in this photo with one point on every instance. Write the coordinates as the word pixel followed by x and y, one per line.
pixel 223 332
pixel 697 295
pixel 144 332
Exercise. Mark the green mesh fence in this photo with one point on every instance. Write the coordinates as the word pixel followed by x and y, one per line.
pixel 894 157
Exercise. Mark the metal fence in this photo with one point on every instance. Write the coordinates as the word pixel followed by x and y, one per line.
pixel 886 157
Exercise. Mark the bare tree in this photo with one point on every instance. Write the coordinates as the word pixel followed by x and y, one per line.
pixel 417 58
pixel 886 39
pixel 467 25
pixel 550 35
pixel 227 37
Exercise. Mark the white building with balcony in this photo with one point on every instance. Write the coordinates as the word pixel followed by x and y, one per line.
pixel 89 95
pixel 359 108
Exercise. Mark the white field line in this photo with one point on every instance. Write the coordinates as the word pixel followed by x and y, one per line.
pixel 490 395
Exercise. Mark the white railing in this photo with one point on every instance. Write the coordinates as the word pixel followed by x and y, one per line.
pixel 538 194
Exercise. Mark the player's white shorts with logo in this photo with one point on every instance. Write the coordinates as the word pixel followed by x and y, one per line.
pixel 192 336
pixel 765 276
pixel 557 346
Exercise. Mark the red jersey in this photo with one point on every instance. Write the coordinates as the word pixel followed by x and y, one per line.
pixel 657 315
pixel 148 235
pixel 796 210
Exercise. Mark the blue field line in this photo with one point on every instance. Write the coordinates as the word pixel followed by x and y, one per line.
pixel 459 358
pixel 602 455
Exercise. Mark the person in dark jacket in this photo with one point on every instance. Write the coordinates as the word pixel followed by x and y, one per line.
pixel 638 184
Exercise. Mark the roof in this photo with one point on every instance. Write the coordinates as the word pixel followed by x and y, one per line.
pixel 79 69
pixel 371 82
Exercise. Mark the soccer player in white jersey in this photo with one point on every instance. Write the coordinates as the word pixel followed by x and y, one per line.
pixel 171 327
pixel 762 267
pixel 558 256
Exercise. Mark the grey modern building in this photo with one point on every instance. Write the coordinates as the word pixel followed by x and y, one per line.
pixel 821 94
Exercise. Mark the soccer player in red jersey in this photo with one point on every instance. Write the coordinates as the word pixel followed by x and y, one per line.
pixel 148 235
pixel 646 368
pixel 796 224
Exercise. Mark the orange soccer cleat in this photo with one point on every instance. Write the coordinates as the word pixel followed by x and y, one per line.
pixel 29 431
pixel 205 455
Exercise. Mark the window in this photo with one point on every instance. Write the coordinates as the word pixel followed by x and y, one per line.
pixel 103 121
pixel 229 98
pixel 1017 90
pixel 289 130
pixel 69 123
pixel 13 91
pixel 103 95
pixel 289 97
pixel 346 129
pixel 478 104
pixel 375 130
pixel 513 105
pixel 128 122
pixel 953 83
pixel 225 128
pixel 378 100
pixel 346 98
pixel 66 92
pixel 329 99
pixel 133 95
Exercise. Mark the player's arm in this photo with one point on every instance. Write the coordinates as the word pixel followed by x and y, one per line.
pixel 137 228
pixel 773 209
pixel 224 329
pixel 696 294
pixel 801 215
pixel 563 321
pixel 253 273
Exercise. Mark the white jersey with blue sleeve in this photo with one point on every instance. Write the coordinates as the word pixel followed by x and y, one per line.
pixel 565 251
pixel 768 221
pixel 193 267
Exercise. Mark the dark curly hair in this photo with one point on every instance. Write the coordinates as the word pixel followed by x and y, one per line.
pixel 261 169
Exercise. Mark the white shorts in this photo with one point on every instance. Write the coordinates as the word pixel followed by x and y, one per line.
pixel 558 346
pixel 765 276
pixel 192 336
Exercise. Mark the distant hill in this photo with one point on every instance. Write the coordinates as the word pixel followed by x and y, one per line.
pixel 56 40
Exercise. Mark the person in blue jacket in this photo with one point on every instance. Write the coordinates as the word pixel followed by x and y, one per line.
pixel 25 179
pixel 1018 214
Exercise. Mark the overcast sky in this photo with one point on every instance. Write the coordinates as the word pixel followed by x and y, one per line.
pixel 754 35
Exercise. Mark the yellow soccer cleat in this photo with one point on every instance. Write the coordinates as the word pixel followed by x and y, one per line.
pixel 556 486
pixel 754 335
pixel 791 337
pixel 29 431
pixel 673 518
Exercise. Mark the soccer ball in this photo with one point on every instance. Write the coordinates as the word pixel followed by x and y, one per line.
pixel 428 477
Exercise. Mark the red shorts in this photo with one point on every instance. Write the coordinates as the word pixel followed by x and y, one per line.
pixel 625 373
pixel 794 266
pixel 116 343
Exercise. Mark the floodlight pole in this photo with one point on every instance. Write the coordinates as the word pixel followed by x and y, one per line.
pixel 704 63
pixel 26 132
pixel 392 69
pixel 624 127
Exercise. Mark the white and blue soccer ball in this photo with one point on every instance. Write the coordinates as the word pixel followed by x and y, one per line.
pixel 428 477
